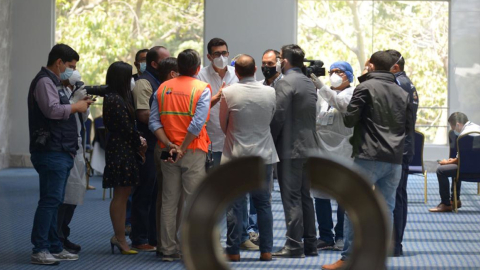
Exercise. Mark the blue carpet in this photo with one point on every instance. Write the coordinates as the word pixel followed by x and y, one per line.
pixel 432 241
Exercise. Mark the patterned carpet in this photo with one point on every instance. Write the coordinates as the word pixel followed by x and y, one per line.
pixel 432 241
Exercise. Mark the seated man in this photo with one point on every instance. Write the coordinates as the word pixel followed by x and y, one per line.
pixel 448 168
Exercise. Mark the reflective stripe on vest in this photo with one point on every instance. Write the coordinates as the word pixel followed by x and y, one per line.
pixel 177 100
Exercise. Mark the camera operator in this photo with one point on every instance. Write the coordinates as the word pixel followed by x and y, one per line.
pixel 53 146
pixel 293 131
pixel 331 105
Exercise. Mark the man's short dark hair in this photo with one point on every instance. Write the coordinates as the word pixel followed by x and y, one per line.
pixel 396 55
pixel 215 42
pixel 382 61
pixel 166 66
pixel 188 62
pixel 153 55
pixel 457 117
pixel 294 54
pixel 64 52
pixel 277 53
pixel 245 66
pixel 137 55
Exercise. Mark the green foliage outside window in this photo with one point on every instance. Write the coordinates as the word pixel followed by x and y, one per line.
pixel 353 30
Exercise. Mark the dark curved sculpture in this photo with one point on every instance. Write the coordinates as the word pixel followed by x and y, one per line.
pixel 367 210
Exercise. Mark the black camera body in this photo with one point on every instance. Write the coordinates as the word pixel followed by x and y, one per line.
pixel 93 90
pixel 315 67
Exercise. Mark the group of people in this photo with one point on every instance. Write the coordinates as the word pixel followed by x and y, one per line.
pixel 171 117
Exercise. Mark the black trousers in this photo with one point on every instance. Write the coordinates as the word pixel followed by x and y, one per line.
pixel 297 204
pixel 144 198
pixel 401 207
pixel 65 215
pixel 443 173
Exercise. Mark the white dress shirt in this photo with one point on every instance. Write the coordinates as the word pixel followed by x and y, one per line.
pixel 210 76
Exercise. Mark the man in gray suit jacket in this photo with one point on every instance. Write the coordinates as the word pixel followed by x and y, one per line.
pixel 246 110
pixel 293 131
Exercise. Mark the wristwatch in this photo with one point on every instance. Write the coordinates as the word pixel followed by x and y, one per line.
pixel 168 144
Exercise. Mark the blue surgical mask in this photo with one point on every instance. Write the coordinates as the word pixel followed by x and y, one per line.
pixel 456 133
pixel 143 67
pixel 66 74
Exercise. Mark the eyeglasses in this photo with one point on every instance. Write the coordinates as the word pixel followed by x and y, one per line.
pixel 338 72
pixel 217 54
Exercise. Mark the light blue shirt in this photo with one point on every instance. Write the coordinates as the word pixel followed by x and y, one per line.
pixel 199 117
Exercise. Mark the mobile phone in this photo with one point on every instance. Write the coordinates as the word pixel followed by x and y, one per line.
pixel 165 155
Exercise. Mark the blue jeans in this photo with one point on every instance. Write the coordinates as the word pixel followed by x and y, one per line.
pixel 262 202
pixel 252 218
pixel 53 169
pixel 217 157
pixel 323 209
pixel 385 176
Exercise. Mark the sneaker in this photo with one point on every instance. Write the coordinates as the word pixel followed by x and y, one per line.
pixel 322 245
pixel 172 257
pixel 65 256
pixel 248 245
pixel 43 257
pixel 339 245
pixel 71 247
pixel 254 238
pixel 144 247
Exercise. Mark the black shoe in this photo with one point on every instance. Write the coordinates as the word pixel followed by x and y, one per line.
pixel 172 257
pixel 71 247
pixel 322 245
pixel 311 252
pixel 287 253
pixel 159 254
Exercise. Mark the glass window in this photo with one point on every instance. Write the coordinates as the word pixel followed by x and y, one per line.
pixel 353 30
pixel 110 31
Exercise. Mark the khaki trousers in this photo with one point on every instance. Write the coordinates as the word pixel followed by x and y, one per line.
pixel 158 168
pixel 179 178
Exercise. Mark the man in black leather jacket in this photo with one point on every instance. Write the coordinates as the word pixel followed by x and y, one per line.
pixel 380 113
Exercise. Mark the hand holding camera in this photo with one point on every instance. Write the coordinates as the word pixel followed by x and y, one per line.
pixel 316 81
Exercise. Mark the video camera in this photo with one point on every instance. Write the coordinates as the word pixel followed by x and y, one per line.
pixel 315 67
pixel 93 90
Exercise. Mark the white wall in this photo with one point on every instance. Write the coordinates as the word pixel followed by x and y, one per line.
pixel 5 52
pixel 33 37
pixel 251 26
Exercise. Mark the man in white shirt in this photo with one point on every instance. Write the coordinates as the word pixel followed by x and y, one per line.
pixel 220 74
pixel 448 168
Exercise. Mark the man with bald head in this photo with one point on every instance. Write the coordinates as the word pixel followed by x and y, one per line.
pixel 246 110
pixel 144 197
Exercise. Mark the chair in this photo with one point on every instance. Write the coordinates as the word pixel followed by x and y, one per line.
pixel 468 146
pixel 416 166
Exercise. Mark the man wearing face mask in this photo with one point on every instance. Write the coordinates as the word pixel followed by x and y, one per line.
pixel 295 137
pixel 77 181
pixel 271 67
pixel 334 139
pixel 143 217
pixel 377 141
pixel 448 168
pixel 140 63
pixel 401 200
pixel 53 146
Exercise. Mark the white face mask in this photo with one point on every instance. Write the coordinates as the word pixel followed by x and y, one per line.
pixel 220 62
pixel 278 66
pixel 76 77
pixel 335 80
pixel 132 84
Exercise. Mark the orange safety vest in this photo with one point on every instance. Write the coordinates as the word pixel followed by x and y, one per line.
pixel 177 100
